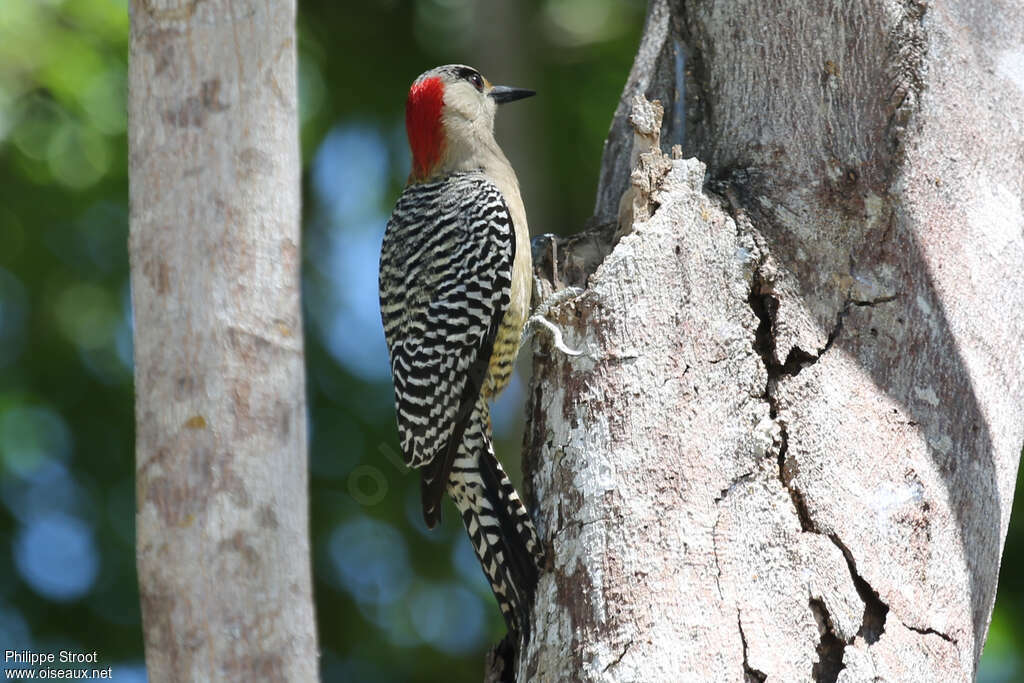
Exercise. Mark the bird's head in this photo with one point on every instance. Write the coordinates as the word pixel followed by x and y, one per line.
pixel 449 117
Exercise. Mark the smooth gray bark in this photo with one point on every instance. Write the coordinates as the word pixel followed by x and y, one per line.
pixel 789 451
pixel 222 519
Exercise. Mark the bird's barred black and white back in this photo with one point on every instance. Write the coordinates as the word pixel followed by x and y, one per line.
pixel 445 284
pixel 445 281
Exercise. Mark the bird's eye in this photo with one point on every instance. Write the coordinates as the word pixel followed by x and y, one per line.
pixel 477 82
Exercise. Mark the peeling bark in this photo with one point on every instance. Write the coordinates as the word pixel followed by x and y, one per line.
pixel 222 522
pixel 789 449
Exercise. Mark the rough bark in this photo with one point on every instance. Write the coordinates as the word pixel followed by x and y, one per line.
pixel 789 450
pixel 222 520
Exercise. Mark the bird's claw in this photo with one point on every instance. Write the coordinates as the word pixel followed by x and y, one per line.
pixel 556 333
pixel 538 319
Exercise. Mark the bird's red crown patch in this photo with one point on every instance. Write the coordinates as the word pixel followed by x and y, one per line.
pixel 423 125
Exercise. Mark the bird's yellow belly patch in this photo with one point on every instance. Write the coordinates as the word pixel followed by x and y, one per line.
pixel 506 349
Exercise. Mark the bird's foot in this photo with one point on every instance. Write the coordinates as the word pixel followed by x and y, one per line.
pixel 538 319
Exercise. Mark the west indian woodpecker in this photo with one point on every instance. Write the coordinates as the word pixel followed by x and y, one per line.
pixel 455 285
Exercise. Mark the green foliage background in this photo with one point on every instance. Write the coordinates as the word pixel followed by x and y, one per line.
pixel 394 602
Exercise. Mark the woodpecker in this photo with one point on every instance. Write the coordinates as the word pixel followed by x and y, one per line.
pixel 455 284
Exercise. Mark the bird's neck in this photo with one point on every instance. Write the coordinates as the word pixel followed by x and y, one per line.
pixel 472 148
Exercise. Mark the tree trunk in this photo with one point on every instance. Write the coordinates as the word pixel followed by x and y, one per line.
pixel 223 532
pixel 789 450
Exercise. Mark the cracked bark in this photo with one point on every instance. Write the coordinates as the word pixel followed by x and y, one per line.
pixel 750 674
pixel 221 492
pixel 790 446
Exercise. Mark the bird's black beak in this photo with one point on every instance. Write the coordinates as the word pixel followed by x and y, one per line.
pixel 502 94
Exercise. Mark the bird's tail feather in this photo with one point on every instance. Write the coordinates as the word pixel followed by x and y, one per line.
pixel 499 527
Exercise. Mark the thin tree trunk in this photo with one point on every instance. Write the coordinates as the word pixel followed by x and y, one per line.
pixel 789 451
pixel 223 537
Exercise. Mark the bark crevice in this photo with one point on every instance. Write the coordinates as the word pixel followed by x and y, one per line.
pixel 765 305
pixel 618 659
pixel 750 674
pixel 930 632
pixel 830 647
pixel 875 611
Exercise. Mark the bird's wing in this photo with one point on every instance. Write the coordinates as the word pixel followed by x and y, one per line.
pixel 445 283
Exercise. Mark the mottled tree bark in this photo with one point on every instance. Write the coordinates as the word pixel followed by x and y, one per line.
pixel 789 450
pixel 223 537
